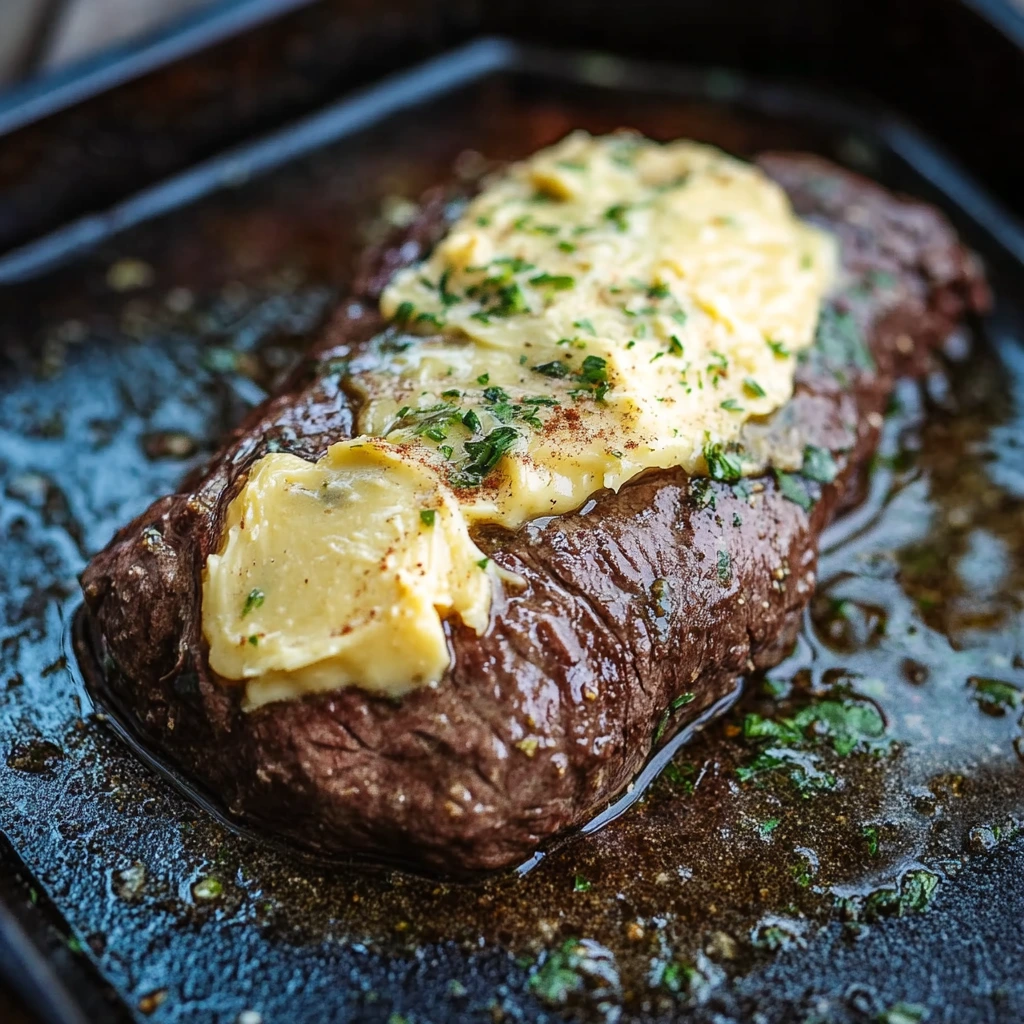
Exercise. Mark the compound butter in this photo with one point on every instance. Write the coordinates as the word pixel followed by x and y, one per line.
pixel 608 306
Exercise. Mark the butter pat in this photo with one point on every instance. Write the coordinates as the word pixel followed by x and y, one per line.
pixel 340 572
pixel 608 306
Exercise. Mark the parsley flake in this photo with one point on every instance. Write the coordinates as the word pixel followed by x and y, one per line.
pixel 254 600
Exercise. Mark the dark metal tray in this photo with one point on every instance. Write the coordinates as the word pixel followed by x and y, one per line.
pixel 132 341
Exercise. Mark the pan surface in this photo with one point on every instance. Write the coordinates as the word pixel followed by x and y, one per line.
pixel 871 872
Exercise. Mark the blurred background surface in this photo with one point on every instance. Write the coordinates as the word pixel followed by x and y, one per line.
pixel 41 36
pixel 45 35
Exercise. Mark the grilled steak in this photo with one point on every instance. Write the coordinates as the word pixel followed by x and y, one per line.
pixel 640 611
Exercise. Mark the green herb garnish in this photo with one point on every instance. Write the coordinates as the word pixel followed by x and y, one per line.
pixel 552 369
pixel 254 600
pixel 870 834
pixel 495 394
pixel 447 297
pixel 674 705
pixel 994 696
pixel 557 282
pixel 428 516
pixel 792 489
pixel 724 567
pixel 617 215
pixel 819 465
pixel 484 455
pixel 722 465
pixel 594 370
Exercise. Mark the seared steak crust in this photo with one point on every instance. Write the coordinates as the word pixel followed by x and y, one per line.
pixel 670 587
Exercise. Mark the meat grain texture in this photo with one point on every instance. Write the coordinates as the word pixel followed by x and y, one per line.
pixel 669 588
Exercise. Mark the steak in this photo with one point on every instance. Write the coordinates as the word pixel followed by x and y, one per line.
pixel 640 612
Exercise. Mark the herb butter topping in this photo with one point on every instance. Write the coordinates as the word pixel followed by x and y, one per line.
pixel 608 306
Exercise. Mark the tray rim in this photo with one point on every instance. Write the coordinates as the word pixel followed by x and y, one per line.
pixel 464 64
pixel 39 97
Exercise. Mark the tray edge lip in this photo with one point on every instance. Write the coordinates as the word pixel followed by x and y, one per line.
pixel 50 93
pixel 30 972
pixel 459 66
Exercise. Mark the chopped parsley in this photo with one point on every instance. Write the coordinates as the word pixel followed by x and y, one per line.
pixel 870 834
pixel 847 724
pixel 514 264
pixel 724 567
pixel 511 301
pixel 581 884
pixel 731 405
pixel 404 313
pixel 428 516
pixel 254 600
pixel 674 705
pixel 819 465
pixel 778 347
pixel 483 456
pixel 840 343
pixel 594 370
pixel 557 282
pixel 617 215
pixel 495 394
pixel 586 326
pixel 793 489
pixel 722 465
pixel 447 297
pixel 430 421
pixel 552 369
pixel 993 696
pixel 752 388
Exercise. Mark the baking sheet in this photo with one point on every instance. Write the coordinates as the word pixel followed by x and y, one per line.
pixel 122 368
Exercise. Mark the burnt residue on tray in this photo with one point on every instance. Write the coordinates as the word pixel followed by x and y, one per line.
pixel 813 855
